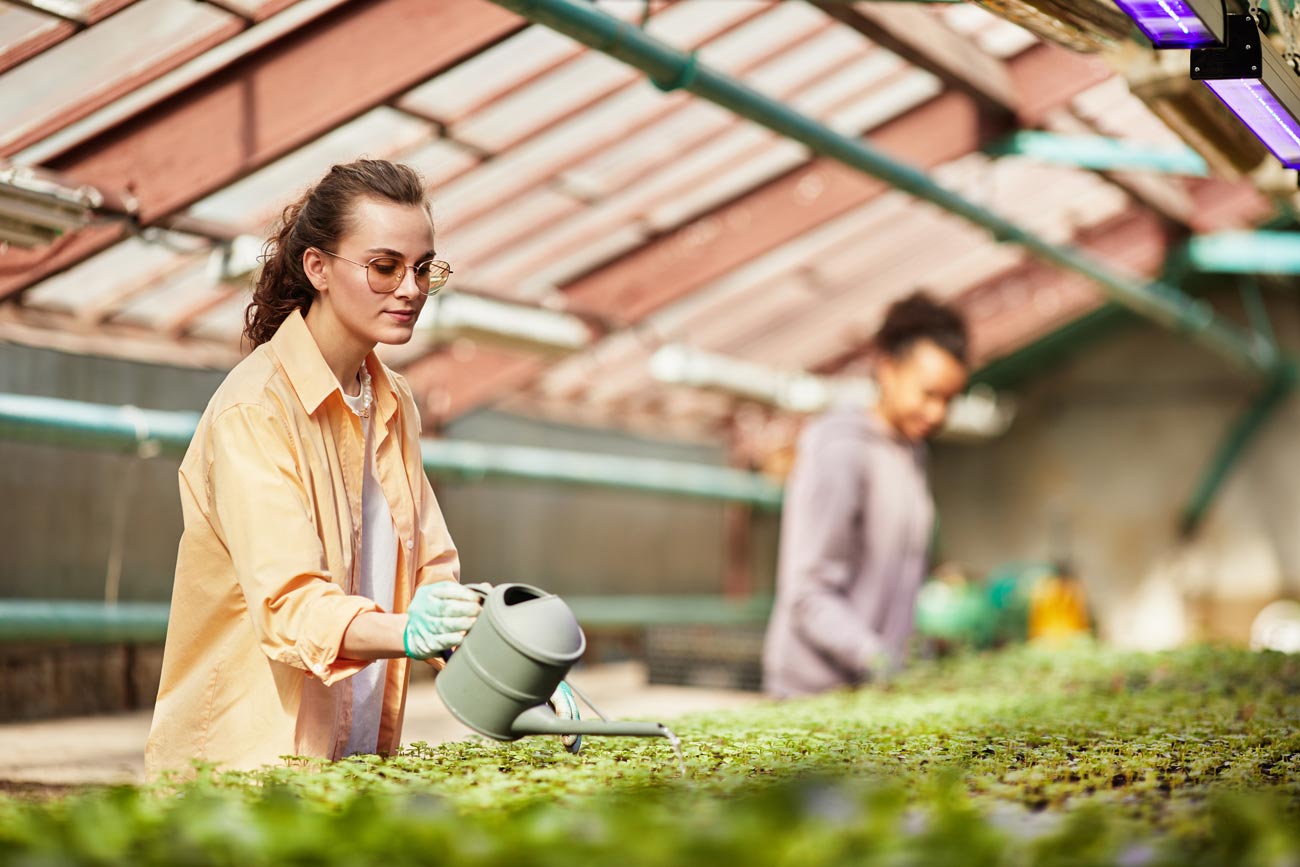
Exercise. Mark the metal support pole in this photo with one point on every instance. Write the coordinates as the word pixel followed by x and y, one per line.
pixel 1275 391
pixel 670 69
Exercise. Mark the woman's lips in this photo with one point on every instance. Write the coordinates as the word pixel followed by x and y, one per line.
pixel 403 316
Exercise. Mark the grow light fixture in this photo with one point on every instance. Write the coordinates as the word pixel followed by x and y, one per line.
pixel 1262 90
pixel 35 211
pixel 1178 23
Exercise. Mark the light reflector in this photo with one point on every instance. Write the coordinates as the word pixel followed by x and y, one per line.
pixel 1177 23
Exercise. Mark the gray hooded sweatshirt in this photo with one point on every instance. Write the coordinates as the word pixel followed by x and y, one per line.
pixel 855 532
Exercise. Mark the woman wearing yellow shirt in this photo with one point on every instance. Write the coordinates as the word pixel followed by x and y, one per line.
pixel 315 561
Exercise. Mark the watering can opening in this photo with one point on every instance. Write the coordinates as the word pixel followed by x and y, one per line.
pixel 537 624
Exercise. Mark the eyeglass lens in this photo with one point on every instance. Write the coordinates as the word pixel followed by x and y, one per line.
pixel 384 273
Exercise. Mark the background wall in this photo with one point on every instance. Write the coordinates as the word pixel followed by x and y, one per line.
pixel 57 505
pixel 1103 456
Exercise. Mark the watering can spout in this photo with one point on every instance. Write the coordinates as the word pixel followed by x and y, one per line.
pixel 541 720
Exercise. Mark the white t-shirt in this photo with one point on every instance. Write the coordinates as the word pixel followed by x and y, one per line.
pixel 378 569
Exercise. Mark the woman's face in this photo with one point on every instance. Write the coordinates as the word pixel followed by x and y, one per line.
pixel 916 388
pixel 380 228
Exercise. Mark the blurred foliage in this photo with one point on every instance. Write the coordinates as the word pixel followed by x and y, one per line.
pixel 1029 756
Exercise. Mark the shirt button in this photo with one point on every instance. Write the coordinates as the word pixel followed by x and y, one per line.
pixel 409 544
pixel 320 670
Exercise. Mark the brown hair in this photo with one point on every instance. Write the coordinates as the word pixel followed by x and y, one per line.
pixel 919 317
pixel 319 219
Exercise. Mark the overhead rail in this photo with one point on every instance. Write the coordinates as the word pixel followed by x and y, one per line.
pixel 1240 253
pixel 54 421
pixel 1100 153
pixel 671 69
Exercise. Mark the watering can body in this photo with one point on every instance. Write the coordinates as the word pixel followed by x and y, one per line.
pixel 499 680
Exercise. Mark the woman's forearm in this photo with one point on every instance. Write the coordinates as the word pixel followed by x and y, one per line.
pixel 373 635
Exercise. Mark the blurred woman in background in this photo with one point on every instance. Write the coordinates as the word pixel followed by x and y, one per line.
pixel 857 518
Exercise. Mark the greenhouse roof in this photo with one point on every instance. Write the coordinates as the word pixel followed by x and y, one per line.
pixel 571 195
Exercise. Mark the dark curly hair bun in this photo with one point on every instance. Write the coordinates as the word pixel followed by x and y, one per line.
pixel 919 317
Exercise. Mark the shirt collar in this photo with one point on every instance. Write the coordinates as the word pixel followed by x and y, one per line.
pixel 311 377
pixel 385 390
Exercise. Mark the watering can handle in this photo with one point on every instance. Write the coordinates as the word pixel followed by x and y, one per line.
pixel 482 588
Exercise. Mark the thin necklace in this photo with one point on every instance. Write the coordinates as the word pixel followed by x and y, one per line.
pixel 366 394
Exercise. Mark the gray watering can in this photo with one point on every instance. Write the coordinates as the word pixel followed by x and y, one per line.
pixel 522 645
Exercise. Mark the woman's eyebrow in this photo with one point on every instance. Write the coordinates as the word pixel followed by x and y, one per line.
pixel 397 254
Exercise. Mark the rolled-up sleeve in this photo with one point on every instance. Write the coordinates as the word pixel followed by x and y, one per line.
pixel 263 516
pixel 824 501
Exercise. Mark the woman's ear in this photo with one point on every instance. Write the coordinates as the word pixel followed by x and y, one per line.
pixel 314 266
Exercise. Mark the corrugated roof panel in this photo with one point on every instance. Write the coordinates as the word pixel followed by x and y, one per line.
pixel 552 271
pixel 993 34
pixel 621 164
pixel 779 300
pixel 722 153
pixel 18 24
pixel 845 321
pixel 470 244
pixel 478 192
pixel 849 82
pixel 539 103
pixel 224 322
pixel 158 307
pixel 825 51
pixel 685 25
pixel 256 200
pixel 1113 109
pixel 884 103
pixel 439 161
pixel 98 58
pixel 800 252
pixel 768 32
pixel 130 262
pixel 721 167
pixel 454 94
pixel 663 142
pixel 771 161
pixel 893 264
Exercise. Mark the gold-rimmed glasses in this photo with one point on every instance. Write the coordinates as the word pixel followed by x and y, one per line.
pixel 385 273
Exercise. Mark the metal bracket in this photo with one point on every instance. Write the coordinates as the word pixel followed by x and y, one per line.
pixel 1240 57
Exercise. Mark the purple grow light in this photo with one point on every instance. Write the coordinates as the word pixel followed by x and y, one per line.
pixel 1170 23
pixel 1260 110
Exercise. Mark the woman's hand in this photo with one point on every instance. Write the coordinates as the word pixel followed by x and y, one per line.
pixel 440 615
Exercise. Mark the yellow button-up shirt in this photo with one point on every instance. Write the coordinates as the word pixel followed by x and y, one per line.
pixel 267 570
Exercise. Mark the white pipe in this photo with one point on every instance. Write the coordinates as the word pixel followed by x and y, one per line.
pixel 980 414
pixel 459 315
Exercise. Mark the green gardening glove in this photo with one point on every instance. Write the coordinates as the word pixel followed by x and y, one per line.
pixel 440 615
pixel 566 707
